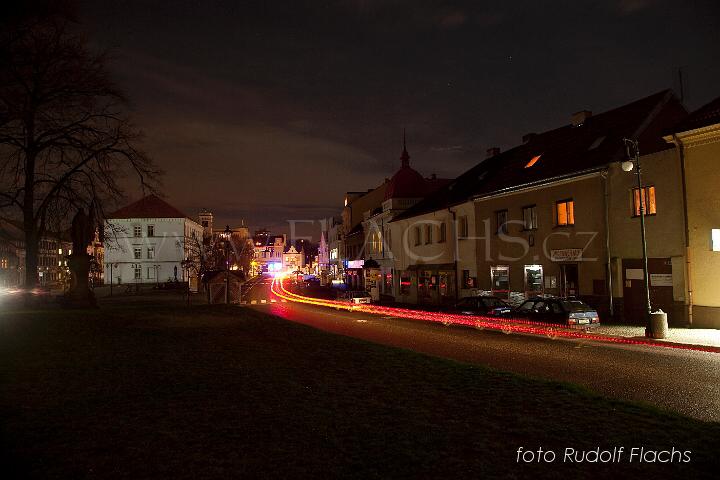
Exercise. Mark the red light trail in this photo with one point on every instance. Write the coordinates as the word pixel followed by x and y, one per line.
pixel 504 325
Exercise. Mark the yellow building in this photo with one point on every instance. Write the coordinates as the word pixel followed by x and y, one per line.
pixel 697 142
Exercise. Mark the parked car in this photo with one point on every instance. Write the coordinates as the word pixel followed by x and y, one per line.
pixel 564 311
pixel 483 305
pixel 357 296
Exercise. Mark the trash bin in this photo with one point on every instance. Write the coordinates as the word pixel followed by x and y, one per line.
pixel 658 324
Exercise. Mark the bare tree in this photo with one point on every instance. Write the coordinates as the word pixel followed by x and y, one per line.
pixel 65 139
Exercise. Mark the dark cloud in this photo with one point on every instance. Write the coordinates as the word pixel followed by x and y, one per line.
pixel 254 108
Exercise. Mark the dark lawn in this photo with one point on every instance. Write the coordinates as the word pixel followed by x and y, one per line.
pixel 158 391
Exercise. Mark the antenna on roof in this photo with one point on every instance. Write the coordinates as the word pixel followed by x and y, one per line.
pixel 681 86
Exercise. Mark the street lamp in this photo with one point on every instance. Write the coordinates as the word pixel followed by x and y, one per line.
pixel 187 264
pixel 228 233
pixel 633 154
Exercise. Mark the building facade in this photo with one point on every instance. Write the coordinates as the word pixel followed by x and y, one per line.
pixel 697 144
pixel 556 215
pixel 147 241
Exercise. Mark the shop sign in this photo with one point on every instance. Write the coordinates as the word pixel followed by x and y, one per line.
pixel 566 255
pixel 356 263
pixel 661 279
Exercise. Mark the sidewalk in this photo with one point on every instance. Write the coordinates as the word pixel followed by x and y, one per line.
pixel 690 336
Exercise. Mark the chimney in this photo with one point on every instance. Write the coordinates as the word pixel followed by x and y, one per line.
pixel 492 151
pixel 578 118
pixel 528 136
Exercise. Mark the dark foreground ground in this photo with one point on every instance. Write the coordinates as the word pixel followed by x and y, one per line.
pixel 157 391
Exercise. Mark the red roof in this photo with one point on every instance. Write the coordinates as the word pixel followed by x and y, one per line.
pixel 406 183
pixel 151 206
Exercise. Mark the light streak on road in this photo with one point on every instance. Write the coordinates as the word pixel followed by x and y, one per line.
pixel 504 325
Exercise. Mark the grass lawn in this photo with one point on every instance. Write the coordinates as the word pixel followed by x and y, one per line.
pixel 142 390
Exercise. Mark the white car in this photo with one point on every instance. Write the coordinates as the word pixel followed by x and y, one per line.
pixel 358 297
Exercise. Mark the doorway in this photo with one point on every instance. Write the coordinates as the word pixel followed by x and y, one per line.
pixel 569 280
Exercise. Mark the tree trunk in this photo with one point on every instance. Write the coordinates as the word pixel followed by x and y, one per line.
pixel 31 256
pixel 29 225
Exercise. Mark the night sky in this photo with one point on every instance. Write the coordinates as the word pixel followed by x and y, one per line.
pixel 269 110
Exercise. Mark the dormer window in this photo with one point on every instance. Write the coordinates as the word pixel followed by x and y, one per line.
pixel 533 161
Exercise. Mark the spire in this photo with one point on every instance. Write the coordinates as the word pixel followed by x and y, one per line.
pixel 405 157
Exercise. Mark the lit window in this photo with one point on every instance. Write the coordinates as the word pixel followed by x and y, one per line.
pixel 530 217
pixel 565 212
pixel 59 251
pixel 533 161
pixel 648 201
pixel 716 239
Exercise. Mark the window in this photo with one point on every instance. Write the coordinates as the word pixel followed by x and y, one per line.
pixel 500 279
pixel 205 223
pixel 648 201
pixel 533 279
pixel 529 217
pixel 501 218
pixel 405 283
pixel 424 283
pixel 532 161
pixel 151 273
pixel 151 230
pixel 428 234
pixel 715 239
pixel 388 283
pixel 137 253
pixel 463 227
pixel 417 235
pixel 151 252
pixel 138 273
pixel 467 280
pixel 442 234
pixel 565 212
pixel 137 231
pixel 4 263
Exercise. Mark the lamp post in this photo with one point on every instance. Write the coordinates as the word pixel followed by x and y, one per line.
pixel 227 232
pixel 187 264
pixel 633 153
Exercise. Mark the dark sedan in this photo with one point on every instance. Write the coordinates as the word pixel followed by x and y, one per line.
pixel 565 311
pixel 485 306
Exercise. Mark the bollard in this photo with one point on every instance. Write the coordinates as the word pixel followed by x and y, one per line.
pixel 658 324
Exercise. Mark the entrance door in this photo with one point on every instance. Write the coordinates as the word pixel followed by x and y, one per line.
pixel 569 280
pixel 661 290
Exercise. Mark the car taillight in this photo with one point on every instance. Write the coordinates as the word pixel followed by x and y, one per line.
pixel 594 320
pixel 572 321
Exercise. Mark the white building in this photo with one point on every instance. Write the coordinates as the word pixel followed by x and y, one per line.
pixel 147 241
pixel 267 252
pixel 293 260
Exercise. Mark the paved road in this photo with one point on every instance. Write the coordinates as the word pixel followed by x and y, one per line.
pixel 687 382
